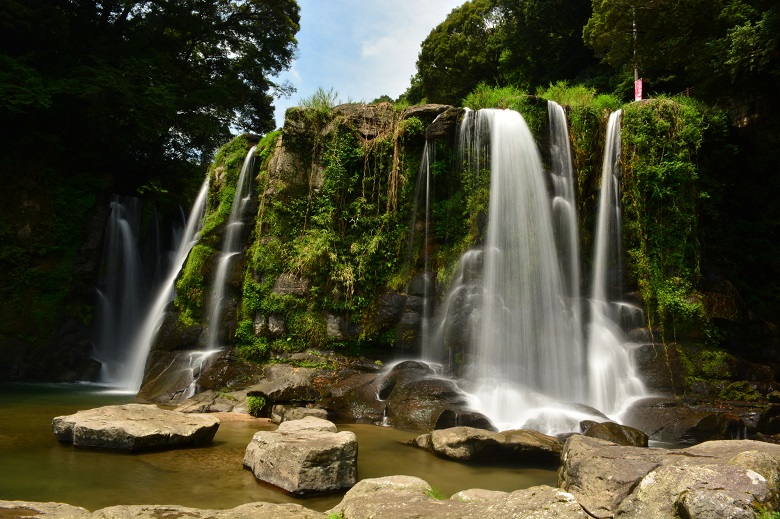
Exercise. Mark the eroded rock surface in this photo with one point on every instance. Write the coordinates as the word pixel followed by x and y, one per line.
pixel 134 427
pixel 304 456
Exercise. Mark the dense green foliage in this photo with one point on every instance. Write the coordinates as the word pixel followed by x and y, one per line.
pixel 662 197
pixel 334 223
pixel 517 43
pixel 142 91
pixel 719 47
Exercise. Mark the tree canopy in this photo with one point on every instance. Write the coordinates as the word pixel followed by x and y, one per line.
pixel 131 86
pixel 524 43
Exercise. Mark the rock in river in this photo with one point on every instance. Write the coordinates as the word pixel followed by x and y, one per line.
pixel 304 456
pixel 134 427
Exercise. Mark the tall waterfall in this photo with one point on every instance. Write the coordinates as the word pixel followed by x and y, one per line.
pixel 122 288
pixel 133 372
pixel 231 246
pixel 128 284
pixel 513 310
pixel 524 344
pixel 613 383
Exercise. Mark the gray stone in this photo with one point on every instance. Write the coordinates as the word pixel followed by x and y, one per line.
pixel 291 284
pixel 285 383
pixel 134 427
pixel 408 497
pixel 605 478
pixel 277 326
pixel 36 509
pixel 470 444
pixel 701 491
pixel 283 413
pixel 616 433
pixel 245 511
pixel 304 456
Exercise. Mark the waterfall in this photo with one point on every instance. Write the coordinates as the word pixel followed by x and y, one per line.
pixel 231 246
pixel 565 211
pixel 133 371
pixel 513 311
pixel 524 344
pixel 124 283
pixel 133 271
pixel 613 383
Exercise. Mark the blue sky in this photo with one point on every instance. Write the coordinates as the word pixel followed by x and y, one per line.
pixel 360 48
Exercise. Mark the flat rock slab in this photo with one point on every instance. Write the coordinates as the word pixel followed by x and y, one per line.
pixel 247 511
pixel 407 496
pixel 134 427
pixel 304 456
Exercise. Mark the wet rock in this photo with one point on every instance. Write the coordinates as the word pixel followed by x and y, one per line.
pixel 353 399
pixel 134 427
pixel 36 509
pixel 304 456
pixel 604 478
pixel 673 421
pixel 415 405
pixel 615 433
pixel 171 376
pixel 406 496
pixel 660 367
pixel 463 418
pixel 285 384
pixel 284 413
pixel 444 126
pixel 470 444
pixel 389 307
pixel 214 402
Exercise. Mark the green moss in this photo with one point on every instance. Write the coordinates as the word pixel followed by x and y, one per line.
pixel 661 197
pixel 740 392
pixel 191 286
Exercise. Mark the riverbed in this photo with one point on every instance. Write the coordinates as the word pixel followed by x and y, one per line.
pixel 35 467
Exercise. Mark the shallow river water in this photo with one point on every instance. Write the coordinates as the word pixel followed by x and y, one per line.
pixel 35 467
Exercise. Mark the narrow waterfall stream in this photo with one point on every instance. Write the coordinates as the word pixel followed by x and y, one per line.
pixel 231 246
pixel 613 383
pixel 134 370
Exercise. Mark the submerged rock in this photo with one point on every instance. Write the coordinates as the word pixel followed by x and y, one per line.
pixel 304 456
pixel 134 427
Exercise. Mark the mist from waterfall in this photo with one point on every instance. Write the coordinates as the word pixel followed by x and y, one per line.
pixel 513 315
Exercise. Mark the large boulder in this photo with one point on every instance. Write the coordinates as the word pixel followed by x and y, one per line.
pixel 134 427
pixel 470 444
pixel 611 480
pixel 284 384
pixel 671 420
pixel 304 456
pixel 408 496
pixel 615 433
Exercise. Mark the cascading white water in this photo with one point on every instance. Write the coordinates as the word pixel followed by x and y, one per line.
pixel 514 307
pixel 525 343
pixel 132 373
pixel 565 211
pixel 613 383
pixel 123 286
pixel 231 246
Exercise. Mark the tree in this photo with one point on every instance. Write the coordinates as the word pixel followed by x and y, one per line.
pixel 543 41
pixel 458 54
pixel 140 86
pixel 710 45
